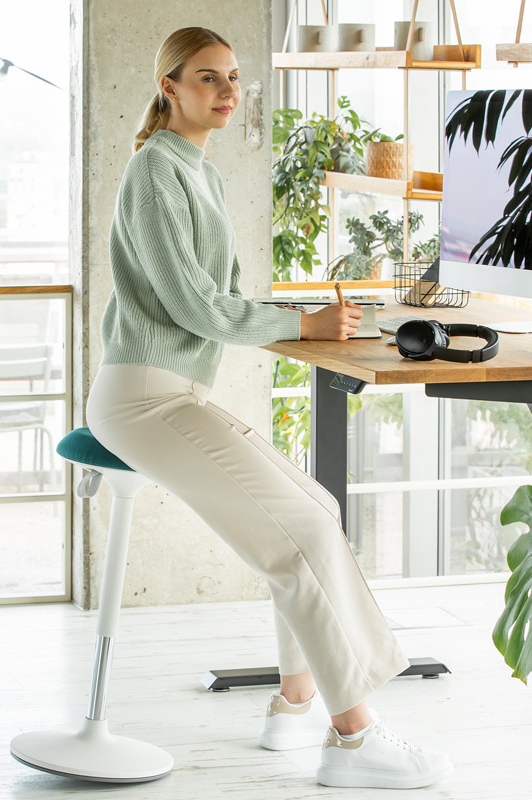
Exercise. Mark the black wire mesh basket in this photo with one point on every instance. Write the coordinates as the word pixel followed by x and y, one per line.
pixel 416 284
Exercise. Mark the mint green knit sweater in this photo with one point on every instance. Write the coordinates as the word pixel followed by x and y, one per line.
pixel 176 299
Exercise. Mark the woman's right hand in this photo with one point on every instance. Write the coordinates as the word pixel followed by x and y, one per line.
pixel 334 322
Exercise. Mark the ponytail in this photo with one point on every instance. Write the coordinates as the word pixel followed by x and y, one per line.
pixel 153 119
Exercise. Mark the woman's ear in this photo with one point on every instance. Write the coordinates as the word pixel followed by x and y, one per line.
pixel 168 87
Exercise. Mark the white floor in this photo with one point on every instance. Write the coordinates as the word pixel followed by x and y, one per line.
pixel 478 714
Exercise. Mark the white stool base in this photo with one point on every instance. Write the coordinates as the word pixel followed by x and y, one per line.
pixel 92 754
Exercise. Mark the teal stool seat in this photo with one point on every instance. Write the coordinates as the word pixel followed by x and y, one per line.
pixel 82 447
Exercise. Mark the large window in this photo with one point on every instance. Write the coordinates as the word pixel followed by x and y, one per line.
pixel 427 478
pixel 35 310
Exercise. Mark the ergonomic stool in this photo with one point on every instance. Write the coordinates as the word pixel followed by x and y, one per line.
pixel 92 753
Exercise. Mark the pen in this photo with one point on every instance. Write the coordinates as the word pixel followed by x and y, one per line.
pixel 339 293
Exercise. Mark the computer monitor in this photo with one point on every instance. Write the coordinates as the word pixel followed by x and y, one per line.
pixel 486 242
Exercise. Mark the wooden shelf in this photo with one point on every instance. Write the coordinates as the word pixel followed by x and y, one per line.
pixel 516 52
pixel 424 186
pixel 445 58
pixel 427 186
pixel 449 57
pixel 40 289
pixel 459 57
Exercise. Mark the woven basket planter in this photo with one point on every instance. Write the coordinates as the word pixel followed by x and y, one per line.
pixel 386 160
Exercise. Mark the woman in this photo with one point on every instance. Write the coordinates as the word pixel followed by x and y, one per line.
pixel 175 303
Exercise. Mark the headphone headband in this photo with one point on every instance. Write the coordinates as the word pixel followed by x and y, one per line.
pixel 422 340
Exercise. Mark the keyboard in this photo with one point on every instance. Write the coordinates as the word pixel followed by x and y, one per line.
pixel 392 325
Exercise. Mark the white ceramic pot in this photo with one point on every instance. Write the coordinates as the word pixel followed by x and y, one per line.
pixel 354 37
pixel 318 38
pixel 422 42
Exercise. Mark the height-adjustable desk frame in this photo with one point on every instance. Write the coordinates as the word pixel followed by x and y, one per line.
pixel 350 366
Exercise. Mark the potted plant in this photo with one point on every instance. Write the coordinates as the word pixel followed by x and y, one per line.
pixel 305 150
pixel 385 157
pixel 382 238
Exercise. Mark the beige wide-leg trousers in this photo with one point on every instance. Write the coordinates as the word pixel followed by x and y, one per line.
pixel 282 522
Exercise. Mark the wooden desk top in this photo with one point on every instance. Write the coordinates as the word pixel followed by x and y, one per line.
pixel 373 361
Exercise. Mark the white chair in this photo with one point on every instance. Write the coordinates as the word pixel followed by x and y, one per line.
pixel 92 753
pixel 28 363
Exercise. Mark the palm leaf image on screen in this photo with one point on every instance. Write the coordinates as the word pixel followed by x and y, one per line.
pixel 480 117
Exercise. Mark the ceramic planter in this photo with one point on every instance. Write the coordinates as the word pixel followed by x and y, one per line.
pixel 422 42
pixel 353 37
pixel 318 38
pixel 386 160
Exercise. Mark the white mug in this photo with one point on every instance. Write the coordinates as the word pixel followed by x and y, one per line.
pixel 353 37
pixel 318 38
pixel 422 41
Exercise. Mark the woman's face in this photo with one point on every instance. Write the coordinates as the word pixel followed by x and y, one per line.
pixel 207 94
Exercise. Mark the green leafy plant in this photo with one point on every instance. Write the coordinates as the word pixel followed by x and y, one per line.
pixel 480 116
pixel 378 136
pixel 305 151
pixel 382 238
pixel 291 415
pixel 512 634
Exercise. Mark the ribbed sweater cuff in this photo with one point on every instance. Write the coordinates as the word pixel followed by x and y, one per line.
pixel 289 326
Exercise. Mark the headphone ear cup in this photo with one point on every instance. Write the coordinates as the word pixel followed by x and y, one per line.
pixel 416 338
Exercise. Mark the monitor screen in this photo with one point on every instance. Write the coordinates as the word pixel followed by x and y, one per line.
pixel 486 243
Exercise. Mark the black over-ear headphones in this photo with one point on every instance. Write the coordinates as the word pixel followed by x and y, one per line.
pixel 426 339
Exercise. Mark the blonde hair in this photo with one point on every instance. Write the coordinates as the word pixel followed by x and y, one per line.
pixel 171 57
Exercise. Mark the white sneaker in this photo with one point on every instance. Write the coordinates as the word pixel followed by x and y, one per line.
pixel 292 725
pixel 379 759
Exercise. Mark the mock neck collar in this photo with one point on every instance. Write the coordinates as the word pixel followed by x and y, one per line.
pixel 182 147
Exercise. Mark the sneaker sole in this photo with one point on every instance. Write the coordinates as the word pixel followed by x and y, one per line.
pixel 360 778
pixel 290 740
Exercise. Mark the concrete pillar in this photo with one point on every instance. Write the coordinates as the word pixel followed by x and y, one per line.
pixel 174 556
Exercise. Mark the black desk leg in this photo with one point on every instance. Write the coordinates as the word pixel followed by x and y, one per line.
pixel 328 439
pixel 328 453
